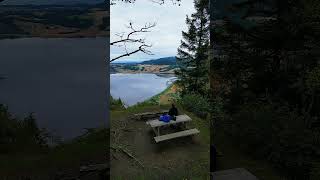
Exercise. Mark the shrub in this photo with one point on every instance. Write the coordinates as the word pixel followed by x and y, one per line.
pixel 195 103
pixel 116 104
pixel 277 133
pixel 17 135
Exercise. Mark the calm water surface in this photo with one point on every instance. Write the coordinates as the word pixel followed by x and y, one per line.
pixel 61 80
pixel 133 88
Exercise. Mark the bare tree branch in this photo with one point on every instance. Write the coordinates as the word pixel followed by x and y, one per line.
pixel 133 32
pixel 129 38
pixel 122 42
pixel 141 48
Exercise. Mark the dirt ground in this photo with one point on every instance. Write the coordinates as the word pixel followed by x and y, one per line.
pixel 135 155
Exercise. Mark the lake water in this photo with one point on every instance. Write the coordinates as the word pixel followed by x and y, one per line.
pixel 134 88
pixel 61 80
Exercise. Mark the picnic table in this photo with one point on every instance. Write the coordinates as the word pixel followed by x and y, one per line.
pixel 156 125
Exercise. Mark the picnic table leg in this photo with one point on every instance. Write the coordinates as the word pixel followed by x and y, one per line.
pixel 158 131
pixel 183 125
pixel 154 130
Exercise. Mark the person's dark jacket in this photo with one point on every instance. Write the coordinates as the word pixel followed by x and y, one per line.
pixel 173 111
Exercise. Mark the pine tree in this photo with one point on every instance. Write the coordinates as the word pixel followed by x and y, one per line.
pixel 193 51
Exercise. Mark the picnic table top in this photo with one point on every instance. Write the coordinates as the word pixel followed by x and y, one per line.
pixel 151 113
pixel 179 119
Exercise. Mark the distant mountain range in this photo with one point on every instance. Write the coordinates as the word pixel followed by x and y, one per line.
pixel 50 2
pixel 166 65
pixel 161 61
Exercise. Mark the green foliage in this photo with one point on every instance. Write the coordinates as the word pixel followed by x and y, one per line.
pixel 91 147
pixel 18 135
pixel 196 104
pixel 161 61
pixel 66 20
pixel 131 67
pixel 193 57
pixel 276 133
pixel 313 79
pixel 315 172
pixel 268 76
pixel 116 104
pixel 76 17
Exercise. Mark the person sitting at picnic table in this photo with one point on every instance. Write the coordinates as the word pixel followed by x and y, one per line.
pixel 173 112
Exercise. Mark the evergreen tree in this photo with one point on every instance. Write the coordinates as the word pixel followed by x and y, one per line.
pixel 193 52
pixel 267 71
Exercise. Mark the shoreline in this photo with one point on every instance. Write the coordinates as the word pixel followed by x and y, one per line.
pixel 52 37
pixel 153 99
pixel 168 73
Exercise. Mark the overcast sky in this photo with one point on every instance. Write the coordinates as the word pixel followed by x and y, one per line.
pixel 165 37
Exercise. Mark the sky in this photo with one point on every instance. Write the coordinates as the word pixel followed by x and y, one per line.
pixel 164 37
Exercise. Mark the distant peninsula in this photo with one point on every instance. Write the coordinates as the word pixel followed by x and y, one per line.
pixel 166 65
pixel 51 21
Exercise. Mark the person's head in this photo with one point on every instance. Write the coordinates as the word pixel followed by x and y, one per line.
pixel 172 105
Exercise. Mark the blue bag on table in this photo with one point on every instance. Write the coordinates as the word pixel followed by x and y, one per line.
pixel 165 118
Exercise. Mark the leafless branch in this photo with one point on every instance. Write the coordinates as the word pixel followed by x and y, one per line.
pixel 141 48
pixel 132 33
pixel 124 39
pixel 129 38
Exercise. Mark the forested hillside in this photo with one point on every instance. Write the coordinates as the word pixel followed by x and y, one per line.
pixel 265 78
pixel 161 61
pixel 53 21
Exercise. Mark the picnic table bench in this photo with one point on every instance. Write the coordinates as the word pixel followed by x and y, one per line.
pixel 181 119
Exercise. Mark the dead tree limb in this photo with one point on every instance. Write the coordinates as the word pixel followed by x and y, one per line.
pixel 129 38
pixel 123 150
pixel 141 48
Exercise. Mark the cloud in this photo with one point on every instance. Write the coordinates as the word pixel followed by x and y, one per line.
pixel 165 37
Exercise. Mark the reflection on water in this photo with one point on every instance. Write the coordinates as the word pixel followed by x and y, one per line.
pixel 61 80
pixel 133 88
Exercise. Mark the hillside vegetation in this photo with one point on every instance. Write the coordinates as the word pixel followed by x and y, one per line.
pixel 166 65
pixel 162 61
pixel 53 21
pixel 29 152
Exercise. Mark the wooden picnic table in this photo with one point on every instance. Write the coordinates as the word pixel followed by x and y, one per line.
pixel 181 119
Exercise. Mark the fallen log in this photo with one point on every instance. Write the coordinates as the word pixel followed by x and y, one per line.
pixel 120 148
